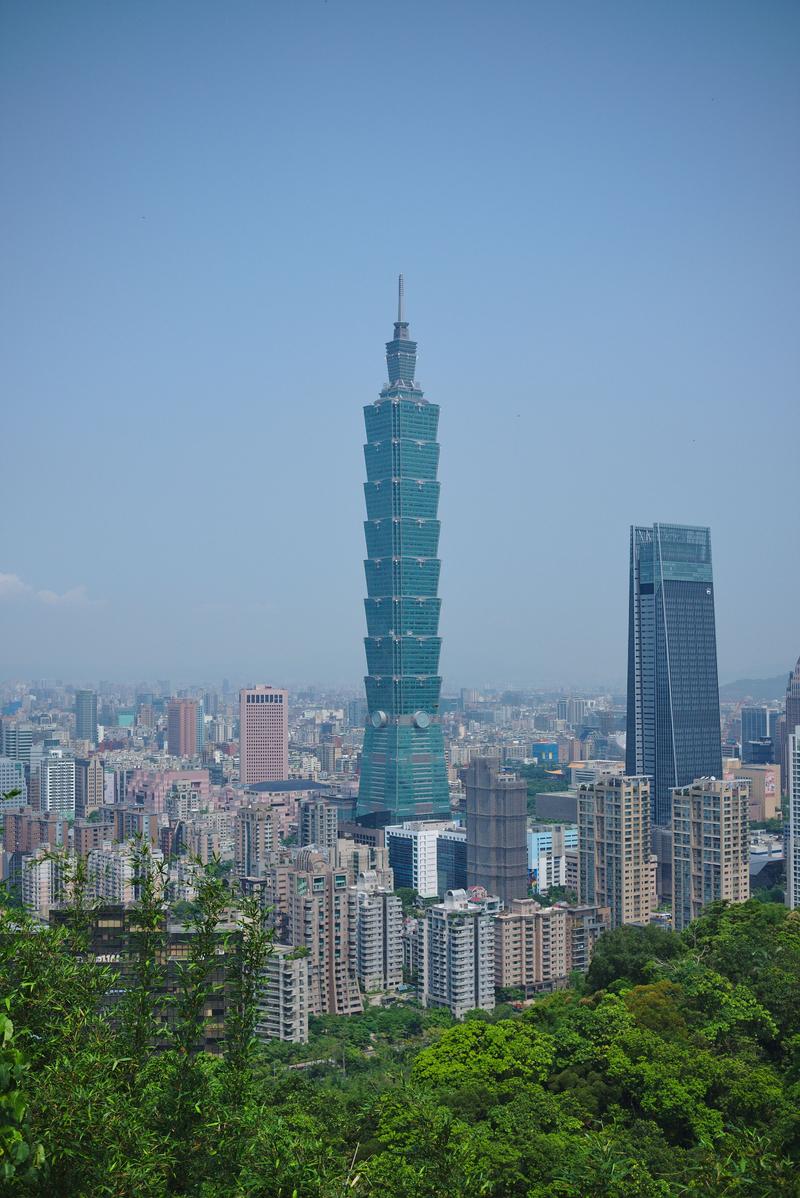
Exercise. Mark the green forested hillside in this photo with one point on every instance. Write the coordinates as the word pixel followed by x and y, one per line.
pixel 675 1071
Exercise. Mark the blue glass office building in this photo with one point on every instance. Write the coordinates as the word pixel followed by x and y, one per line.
pixel 403 771
pixel 673 726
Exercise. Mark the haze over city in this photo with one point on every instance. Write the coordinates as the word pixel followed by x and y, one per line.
pixel 203 216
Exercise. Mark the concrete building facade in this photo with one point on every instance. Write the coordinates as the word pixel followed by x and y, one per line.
pixel 456 956
pixel 376 930
pixel 497 847
pixel 282 1002
pixel 710 846
pixel 318 825
pixel 616 868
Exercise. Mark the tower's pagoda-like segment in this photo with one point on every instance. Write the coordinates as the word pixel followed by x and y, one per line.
pixel 403 772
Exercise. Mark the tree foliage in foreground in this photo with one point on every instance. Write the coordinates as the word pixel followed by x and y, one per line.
pixel 673 1073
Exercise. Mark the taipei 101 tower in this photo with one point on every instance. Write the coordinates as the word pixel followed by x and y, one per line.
pixel 403 771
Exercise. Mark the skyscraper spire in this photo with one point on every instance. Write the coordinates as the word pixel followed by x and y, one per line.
pixel 400 300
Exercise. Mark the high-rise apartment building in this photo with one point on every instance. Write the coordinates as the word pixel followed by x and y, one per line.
pixel 673 726
pixel 56 783
pixel 710 846
pixel 182 728
pixel 17 741
pixel 90 779
pixel 456 952
pixel 318 826
pixel 403 770
pixel 263 734
pixel 256 838
pixel 497 845
pixel 616 868
pixel 548 849
pixel 86 716
pixel 376 934
pixel 282 1000
pixel 41 883
pixel 793 846
pixel 312 905
pixel 12 777
pixel 531 946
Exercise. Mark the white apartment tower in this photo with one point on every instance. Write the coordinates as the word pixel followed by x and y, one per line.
pixel 376 934
pixel 57 784
pixel 456 960
pixel 282 1002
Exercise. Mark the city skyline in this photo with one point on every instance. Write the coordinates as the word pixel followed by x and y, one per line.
pixel 638 292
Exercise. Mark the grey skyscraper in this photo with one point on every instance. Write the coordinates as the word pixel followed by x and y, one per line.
pixel 86 716
pixel 673 732
pixel 497 839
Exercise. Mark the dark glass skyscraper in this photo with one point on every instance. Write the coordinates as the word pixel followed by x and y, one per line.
pixel 86 716
pixel 673 694
pixel 403 771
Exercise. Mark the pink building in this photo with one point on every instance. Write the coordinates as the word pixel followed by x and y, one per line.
pixel 151 787
pixel 182 727
pixel 263 734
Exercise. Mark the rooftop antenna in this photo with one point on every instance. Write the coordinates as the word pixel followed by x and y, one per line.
pixel 400 299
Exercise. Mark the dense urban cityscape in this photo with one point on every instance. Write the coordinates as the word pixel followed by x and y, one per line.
pixel 399 784
pixel 404 848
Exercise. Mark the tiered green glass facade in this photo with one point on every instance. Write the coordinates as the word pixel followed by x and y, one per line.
pixel 403 771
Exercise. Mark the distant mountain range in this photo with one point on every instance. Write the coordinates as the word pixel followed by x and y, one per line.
pixel 759 689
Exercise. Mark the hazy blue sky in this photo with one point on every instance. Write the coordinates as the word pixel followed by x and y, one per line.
pixel 204 210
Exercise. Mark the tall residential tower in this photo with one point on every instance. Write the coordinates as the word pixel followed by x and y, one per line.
pixel 673 732
pixel 403 771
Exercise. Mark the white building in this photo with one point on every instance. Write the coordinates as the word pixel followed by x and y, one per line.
pixel 376 931
pixel 57 783
pixel 793 857
pixel 412 854
pixel 548 845
pixel 40 882
pixel 111 873
pixel 12 777
pixel 282 1001
pixel 456 957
